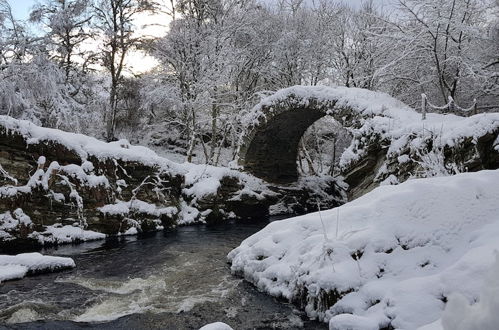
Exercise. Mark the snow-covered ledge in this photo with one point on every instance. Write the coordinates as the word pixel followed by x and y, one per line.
pixel 18 266
pixel 395 256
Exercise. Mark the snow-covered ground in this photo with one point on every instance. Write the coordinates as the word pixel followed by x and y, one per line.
pixel 395 256
pixel 18 266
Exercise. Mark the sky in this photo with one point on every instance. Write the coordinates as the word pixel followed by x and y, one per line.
pixel 21 8
pixel 139 62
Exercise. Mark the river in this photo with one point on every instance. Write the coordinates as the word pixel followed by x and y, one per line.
pixel 175 279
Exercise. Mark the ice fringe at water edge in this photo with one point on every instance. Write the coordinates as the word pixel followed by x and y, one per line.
pixel 393 257
pixel 18 266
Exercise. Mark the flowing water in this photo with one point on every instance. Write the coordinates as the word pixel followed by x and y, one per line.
pixel 168 280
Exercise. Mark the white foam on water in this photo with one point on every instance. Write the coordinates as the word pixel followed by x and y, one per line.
pixel 170 292
pixel 118 287
pixel 112 309
pixel 24 315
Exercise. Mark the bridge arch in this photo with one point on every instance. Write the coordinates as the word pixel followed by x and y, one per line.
pixel 269 144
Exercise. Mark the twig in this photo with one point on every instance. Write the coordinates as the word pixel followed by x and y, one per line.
pixel 322 222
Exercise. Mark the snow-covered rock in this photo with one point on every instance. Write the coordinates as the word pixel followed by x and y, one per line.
pixel 60 187
pixel 392 257
pixel 12 272
pixel 216 326
pixel 18 266
pixel 59 234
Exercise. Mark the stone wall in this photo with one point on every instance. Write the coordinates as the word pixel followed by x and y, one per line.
pixel 379 165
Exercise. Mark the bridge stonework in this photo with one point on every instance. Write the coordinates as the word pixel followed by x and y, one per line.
pixel 391 142
pixel 269 146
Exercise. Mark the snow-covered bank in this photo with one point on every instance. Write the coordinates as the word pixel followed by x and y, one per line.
pixel 392 257
pixel 18 266
pixel 59 187
pixel 53 234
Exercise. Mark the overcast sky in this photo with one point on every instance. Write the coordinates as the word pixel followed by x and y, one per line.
pixel 21 8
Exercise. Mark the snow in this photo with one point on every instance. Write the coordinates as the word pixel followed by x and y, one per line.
pixel 188 214
pixel 119 208
pixel 198 176
pixel 403 129
pixel 135 205
pixel 12 272
pixel 360 100
pixel 403 159
pixel 130 231
pixel 18 266
pixel 204 180
pixel 56 233
pixel 41 179
pixel 11 221
pixel 84 146
pixel 216 326
pixel 200 181
pixel 459 314
pixel 348 321
pixel 66 234
pixel 394 255
pixel 79 172
pixel 18 215
pixel 207 186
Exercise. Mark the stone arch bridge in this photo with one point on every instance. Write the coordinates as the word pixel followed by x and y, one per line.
pixel 273 128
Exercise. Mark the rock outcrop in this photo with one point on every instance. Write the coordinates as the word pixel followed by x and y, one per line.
pixel 385 160
pixel 58 187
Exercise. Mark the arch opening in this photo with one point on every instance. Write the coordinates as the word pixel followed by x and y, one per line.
pixel 321 147
pixel 273 151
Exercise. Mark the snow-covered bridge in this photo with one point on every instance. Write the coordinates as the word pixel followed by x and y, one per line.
pixel 275 126
pixel 383 128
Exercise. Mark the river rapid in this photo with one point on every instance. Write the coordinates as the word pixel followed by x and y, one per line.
pixel 176 279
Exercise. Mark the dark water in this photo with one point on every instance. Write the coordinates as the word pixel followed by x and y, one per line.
pixel 168 280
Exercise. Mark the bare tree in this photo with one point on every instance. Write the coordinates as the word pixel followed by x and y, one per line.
pixel 443 43
pixel 114 20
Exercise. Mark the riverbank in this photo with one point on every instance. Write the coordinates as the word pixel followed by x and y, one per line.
pixel 394 258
